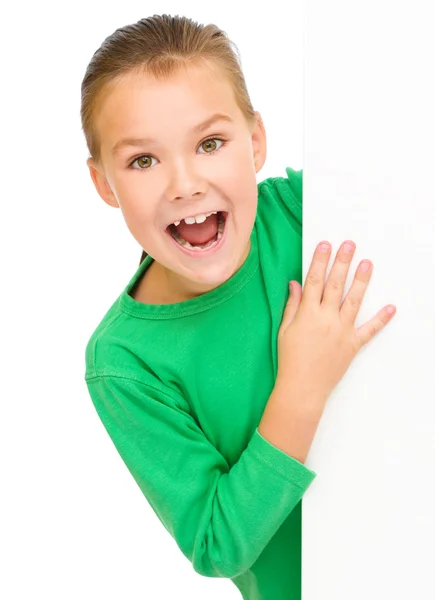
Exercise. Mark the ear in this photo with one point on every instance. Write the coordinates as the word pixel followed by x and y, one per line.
pixel 259 145
pixel 101 184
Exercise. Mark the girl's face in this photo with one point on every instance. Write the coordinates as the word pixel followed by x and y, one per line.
pixel 177 174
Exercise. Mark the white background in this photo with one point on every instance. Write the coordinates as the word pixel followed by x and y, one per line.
pixel 369 156
pixel 345 93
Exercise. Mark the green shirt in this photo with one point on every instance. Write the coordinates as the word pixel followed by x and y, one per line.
pixel 181 389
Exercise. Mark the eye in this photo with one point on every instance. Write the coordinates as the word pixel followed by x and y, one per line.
pixel 146 158
pixel 212 142
pixel 143 158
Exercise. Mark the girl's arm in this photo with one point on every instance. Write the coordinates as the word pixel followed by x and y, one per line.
pixel 221 517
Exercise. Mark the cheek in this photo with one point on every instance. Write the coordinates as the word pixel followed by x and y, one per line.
pixel 245 192
pixel 138 214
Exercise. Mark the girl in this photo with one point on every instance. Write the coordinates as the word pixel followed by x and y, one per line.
pixel 208 377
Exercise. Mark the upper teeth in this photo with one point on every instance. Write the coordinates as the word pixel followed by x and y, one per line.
pixel 198 218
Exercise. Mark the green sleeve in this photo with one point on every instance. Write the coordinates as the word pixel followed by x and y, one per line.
pixel 288 193
pixel 221 518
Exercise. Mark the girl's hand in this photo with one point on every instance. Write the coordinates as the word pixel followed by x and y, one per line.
pixel 317 339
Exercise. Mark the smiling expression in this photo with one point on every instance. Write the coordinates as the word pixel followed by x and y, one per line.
pixel 177 147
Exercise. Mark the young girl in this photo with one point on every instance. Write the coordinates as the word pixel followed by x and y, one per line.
pixel 208 377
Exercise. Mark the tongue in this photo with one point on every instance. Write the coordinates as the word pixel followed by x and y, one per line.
pixel 199 233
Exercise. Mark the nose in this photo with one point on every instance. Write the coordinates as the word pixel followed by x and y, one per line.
pixel 185 183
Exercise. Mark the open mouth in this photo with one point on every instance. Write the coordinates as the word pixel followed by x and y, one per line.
pixel 222 219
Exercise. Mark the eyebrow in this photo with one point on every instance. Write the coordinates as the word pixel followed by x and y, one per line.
pixel 134 142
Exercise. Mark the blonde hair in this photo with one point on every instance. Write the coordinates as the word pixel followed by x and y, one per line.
pixel 158 45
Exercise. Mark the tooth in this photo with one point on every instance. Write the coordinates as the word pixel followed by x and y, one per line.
pixel 199 219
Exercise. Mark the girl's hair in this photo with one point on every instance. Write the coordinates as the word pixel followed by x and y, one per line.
pixel 158 45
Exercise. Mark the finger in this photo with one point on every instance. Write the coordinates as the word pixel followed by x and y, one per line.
pixel 315 279
pixel 353 300
pixel 291 307
pixel 368 331
pixel 333 292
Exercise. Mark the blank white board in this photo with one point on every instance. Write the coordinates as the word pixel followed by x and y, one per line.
pixel 369 164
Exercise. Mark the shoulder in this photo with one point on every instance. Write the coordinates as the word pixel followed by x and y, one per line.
pixel 109 349
pixel 287 193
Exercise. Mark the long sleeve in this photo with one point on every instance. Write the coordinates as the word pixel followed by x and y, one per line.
pixel 221 518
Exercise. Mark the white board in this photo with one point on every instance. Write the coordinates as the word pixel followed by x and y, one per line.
pixel 369 166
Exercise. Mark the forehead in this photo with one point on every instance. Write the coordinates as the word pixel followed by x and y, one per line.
pixel 144 104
